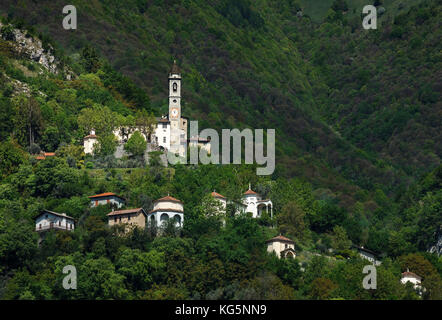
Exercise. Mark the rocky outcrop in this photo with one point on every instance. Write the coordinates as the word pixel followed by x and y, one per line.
pixel 27 46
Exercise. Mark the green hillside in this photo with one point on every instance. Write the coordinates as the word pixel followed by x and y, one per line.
pixel 357 117
pixel 317 9
pixel 245 65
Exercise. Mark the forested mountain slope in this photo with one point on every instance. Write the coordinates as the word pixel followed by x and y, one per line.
pixel 258 64
pixel 358 135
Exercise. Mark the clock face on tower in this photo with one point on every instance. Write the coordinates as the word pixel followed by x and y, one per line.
pixel 174 113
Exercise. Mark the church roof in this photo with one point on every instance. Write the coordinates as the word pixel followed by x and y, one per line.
pixel 169 198
pixel 217 195
pixel 175 69
pixel 250 191
pixel 410 274
pixel 281 238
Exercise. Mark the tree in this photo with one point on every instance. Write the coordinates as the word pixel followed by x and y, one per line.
pixel 106 145
pixel 90 59
pixel 291 220
pixel 340 5
pixel 321 288
pixel 432 285
pixel 146 122
pixel 97 279
pixel 141 269
pixel 28 120
pixel 100 118
pixel 339 239
pixel 50 139
pixel 136 144
pixel 11 156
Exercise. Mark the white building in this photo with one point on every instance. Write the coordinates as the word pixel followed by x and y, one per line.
pixel 251 202
pixel 170 133
pixel 413 278
pixel 48 220
pixel 282 246
pixel 256 205
pixel 107 198
pixel 221 199
pixel 89 141
pixel 164 209
pixel 368 255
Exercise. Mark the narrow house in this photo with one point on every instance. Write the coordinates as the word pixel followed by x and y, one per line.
pixel 132 217
pixel 282 246
pixel 48 220
pixel 107 198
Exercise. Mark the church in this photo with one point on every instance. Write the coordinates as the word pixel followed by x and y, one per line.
pixel 170 133
pixel 251 202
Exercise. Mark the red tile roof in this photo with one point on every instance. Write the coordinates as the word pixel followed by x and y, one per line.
pixel 106 194
pixel 250 192
pixel 90 136
pixel 40 157
pixel 217 195
pixel 49 154
pixel 120 212
pixel 169 198
pixel 280 238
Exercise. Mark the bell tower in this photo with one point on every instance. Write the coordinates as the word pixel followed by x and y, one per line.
pixel 174 96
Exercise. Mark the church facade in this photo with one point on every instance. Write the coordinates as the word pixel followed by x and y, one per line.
pixel 251 202
pixel 170 132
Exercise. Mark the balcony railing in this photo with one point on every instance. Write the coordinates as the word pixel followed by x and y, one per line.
pixel 53 226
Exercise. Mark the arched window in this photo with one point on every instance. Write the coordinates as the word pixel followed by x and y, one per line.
pixel 177 219
pixel 164 218
pixel 175 87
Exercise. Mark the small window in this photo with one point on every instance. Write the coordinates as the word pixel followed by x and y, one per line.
pixel 39 225
pixel 286 246
pixel 59 223
pixel 128 218
pixel 164 125
pixel 164 139
pixel 175 87
pixel 115 219
pixel 119 219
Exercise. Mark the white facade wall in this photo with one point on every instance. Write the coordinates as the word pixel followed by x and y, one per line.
pixel 165 210
pixel 416 282
pixel 162 135
pixel 107 200
pixel 159 217
pixel 88 145
pixel 278 246
pixel 44 222
pixel 250 200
